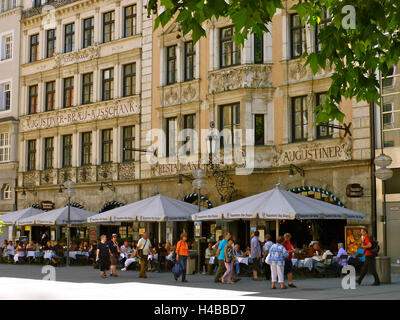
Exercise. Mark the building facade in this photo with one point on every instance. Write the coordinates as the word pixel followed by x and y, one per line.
pixel 85 97
pixel 259 94
pixel 10 15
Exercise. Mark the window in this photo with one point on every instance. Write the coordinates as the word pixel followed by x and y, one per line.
pixel 87 88
pixel 33 99
pixel 5 96
pixel 31 155
pixel 129 79
pixel 388 80
pixel 51 42
pixel 171 64
pixel 258 49
pixel 171 137
pixel 297 36
pixel 108 84
pixel 50 95
pixel 4 147
pixel 107 146
pixel 7 192
pixel 6 52
pixel 68 92
pixel 230 52
pixel 108 26
pixel 188 124
pixel 229 120
pixel 299 119
pixel 129 143
pixel 189 60
pixel 326 19
pixel 67 150
pixel 48 152
pixel 34 48
pixel 86 148
pixel 323 132
pixel 37 3
pixel 69 35
pixel 259 129
pixel 88 32
pixel 129 21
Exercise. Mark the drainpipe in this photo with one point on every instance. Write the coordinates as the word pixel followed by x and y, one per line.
pixel 373 179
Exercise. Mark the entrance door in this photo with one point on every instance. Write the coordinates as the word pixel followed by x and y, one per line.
pixel 242 233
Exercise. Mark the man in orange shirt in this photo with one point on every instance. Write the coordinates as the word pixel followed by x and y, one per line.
pixel 370 263
pixel 182 255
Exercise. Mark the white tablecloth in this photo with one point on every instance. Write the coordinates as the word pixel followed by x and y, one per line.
pixel 306 263
pixel 244 260
pixel 34 254
pixel 49 254
pixel 170 258
pixel 73 254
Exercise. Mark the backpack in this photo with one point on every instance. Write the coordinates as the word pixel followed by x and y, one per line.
pixel 374 247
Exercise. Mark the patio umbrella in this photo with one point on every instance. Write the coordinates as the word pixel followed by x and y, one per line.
pixel 58 217
pixel 278 204
pixel 12 218
pixel 153 209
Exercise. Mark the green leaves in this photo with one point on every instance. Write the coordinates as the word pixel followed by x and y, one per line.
pixel 354 53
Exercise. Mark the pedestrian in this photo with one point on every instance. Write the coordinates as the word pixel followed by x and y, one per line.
pixel 221 257
pixel 370 262
pixel 114 249
pixel 210 252
pixel 288 261
pixel 276 259
pixel 255 254
pixel 143 250
pixel 44 238
pixel 103 255
pixel 182 255
pixel 228 262
pixel 266 247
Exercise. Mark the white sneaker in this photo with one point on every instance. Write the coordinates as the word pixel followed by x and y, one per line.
pixel 123 269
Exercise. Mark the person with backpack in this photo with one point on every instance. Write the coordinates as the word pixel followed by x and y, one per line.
pixel 182 255
pixel 371 249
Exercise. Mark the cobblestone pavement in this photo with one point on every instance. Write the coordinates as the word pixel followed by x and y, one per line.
pixel 69 280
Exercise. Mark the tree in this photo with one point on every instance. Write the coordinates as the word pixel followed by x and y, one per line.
pixel 362 37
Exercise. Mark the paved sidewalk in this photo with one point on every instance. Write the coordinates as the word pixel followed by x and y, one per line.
pixel 160 285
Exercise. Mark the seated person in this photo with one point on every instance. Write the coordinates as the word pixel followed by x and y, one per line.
pixel 315 250
pixel 84 247
pixel 59 252
pixel 36 246
pixel 358 259
pixel 238 253
pixel 131 259
pixel 162 254
pixel 322 263
pixel 30 246
pixel 10 251
pixel 72 246
pixel 210 252
pixel 341 252
pixel 19 251
pixel 92 251
pixel 125 249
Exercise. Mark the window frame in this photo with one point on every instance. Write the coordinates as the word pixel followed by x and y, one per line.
pixel 86 148
pixel 33 99
pixel 34 47
pixel 189 55
pixel 111 24
pixel 89 86
pixel 8 43
pixel 262 116
pixel 107 82
pixel 88 33
pixel 329 134
pixel 293 29
pixel 322 24
pixel 5 104
pixel 132 77
pixel 304 108
pixel 255 37
pixel 234 108
pixel 187 127
pixel 7 192
pixel 234 49
pixel 51 37
pixel 69 35
pixel 109 143
pixel 171 59
pixel 5 147
pixel 67 150
pixel 70 90
pixel 48 153
pixel 128 142
pixel 168 152
pixel 132 18
pixel 31 154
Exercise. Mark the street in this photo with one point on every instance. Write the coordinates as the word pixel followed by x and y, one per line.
pixel 77 282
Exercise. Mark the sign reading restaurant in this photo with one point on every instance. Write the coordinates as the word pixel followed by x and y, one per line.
pixel 81 114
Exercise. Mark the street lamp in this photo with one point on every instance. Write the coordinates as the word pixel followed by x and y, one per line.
pixel 68 185
pixel 198 183
pixel 211 146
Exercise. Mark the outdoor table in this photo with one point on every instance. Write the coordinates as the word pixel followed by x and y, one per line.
pixel 308 263
pixel 244 260
pixel 169 257
pixel 49 254
pixel 34 254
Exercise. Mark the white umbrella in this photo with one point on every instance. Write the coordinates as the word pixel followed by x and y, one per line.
pixel 58 217
pixel 278 204
pixel 153 209
pixel 12 218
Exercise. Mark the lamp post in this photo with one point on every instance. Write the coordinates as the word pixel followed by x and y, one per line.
pixel 198 183
pixel 68 185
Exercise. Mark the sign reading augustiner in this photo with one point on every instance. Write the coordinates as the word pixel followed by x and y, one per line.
pixel 332 150
pixel 80 114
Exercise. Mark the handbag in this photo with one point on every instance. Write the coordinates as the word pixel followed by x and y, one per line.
pixel 268 259
pixel 140 251
pixel 177 270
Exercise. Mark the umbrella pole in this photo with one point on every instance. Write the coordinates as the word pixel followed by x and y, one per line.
pixel 276 229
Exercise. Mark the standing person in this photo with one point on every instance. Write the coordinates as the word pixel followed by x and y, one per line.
pixel 44 238
pixel 221 257
pixel 370 263
pixel 255 254
pixel 210 252
pixel 114 249
pixel 143 250
pixel 266 247
pixel 228 262
pixel 277 255
pixel 288 260
pixel 182 255
pixel 103 254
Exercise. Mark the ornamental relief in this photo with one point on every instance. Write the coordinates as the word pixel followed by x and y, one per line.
pixel 299 72
pixel 66 174
pixel 180 93
pixel 47 176
pixel 86 174
pixel 244 76
pixel 126 171
pixel 105 172
pixel 30 178
pixel 89 53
